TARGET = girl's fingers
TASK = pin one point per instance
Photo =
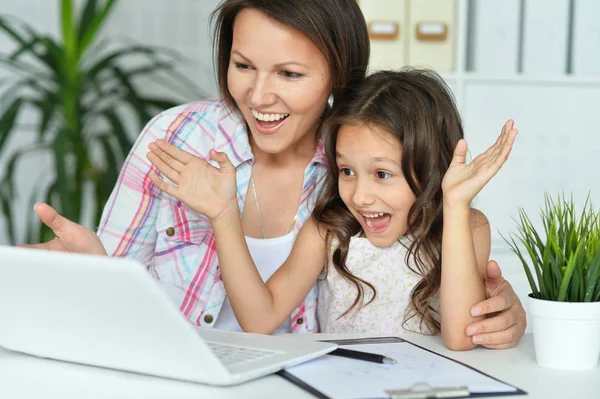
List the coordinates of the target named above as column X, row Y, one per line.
column 504, row 151
column 460, row 152
column 178, row 154
column 163, row 167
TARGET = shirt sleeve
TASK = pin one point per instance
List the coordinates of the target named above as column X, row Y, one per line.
column 127, row 227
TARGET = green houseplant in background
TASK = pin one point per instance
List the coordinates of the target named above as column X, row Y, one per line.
column 562, row 265
column 84, row 96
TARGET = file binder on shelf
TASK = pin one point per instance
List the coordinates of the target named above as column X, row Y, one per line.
column 432, row 34
column 494, row 33
column 417, row 373
column 586, row 38
column 386, row 21
column 545, row 37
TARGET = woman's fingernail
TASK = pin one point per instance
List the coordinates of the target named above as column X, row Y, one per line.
column 477, row 339
column 472, row 331
column 513, row 124
column 476, row 311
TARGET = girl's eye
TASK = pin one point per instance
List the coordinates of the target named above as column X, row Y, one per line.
column 346, row 172
column 383, row 175
column 291, row 75
column 242, row 66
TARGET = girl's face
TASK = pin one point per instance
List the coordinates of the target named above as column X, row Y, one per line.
column 279, row 80
column 371, row 182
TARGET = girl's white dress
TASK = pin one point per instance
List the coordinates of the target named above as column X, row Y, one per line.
column 387, row 271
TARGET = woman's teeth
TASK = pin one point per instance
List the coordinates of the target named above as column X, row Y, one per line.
column 268, row 117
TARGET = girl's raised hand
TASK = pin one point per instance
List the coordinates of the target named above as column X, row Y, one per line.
column 204, row 188
column 463, row 182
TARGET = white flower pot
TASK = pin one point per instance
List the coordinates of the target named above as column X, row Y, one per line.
column 566, row 334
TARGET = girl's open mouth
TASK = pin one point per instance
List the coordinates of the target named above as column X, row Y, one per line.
column 376, row 222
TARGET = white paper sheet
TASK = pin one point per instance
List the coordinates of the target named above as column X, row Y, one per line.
column 344, row 378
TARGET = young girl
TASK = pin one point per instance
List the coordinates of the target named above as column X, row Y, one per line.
column 393, row 240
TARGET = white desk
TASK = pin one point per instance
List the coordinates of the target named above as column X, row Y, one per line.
column 23, row 376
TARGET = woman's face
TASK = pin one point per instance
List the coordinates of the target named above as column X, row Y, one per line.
column 279, row 80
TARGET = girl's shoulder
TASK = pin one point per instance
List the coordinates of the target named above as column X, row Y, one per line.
column 478, row 219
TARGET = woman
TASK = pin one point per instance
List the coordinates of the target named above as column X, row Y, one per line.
column 279, row 64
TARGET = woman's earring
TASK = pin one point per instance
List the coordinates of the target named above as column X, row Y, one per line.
column 330, row 101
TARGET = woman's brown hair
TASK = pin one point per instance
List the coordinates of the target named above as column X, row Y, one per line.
column 336, row 27
column 417, row 108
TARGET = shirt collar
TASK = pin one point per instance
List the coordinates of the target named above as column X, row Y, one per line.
column 319, row 156
column 231, row 137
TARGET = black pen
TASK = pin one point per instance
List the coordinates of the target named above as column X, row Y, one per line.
column 367, row 357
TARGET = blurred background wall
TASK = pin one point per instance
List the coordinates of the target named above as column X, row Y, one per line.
column 535, row 61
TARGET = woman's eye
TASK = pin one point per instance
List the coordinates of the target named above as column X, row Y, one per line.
column 383, row 175
column 291, row 75
column 242, row 66
column 346, row 172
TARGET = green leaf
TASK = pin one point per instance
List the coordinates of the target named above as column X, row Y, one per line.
column 87, row 16
column 513, row 245
column 567, row 265
column 133, row 98
column 159, row 103
column 592, row 278
column 68, row 30
column 62, row 176
column 7, row 121
column 6, row 201
column 8, row 27
column 114, row 59
column 88, row 29
column 12, row 162
column 79, row 90
column 573, row 262
column 118, row 129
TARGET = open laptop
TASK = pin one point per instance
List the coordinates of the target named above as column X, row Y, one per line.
column 110, row 312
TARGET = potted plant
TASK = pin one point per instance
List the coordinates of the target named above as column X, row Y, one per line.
column 86, row 106
column 563, row 269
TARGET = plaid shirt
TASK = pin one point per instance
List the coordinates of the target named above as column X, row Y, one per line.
column 176, row 244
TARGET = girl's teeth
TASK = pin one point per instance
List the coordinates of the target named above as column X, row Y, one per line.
column 376, row 215
column 369, row 222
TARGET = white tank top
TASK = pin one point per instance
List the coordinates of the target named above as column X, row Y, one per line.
column 268, row 255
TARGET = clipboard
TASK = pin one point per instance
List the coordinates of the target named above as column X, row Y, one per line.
column 419, row 390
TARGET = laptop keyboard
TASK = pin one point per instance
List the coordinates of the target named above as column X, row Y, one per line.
column 231, row 354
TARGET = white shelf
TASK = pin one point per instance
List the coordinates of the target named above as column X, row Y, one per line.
column 468, row 77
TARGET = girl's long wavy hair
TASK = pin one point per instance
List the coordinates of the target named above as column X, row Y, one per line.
column 418, row 109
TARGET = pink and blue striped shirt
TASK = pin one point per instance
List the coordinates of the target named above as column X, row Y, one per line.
column 176, row 244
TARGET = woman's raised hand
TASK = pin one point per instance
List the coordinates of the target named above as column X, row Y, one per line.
column 70, row 236
column 463, row 182
column 204, row 188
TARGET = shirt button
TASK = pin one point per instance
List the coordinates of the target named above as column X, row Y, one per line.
column 300, row 321
column 170, row 231
column 208, row 319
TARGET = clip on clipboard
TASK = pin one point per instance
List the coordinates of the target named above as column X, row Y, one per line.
column 425, row 391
